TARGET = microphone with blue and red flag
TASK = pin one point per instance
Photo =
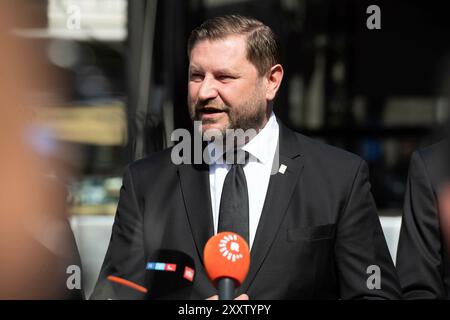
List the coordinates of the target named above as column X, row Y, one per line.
column 169, row 275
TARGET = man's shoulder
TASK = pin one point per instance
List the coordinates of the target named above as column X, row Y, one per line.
column 432, row 161
column 317, row 150
column 155, row 161
column 328, row 167
column 434, row 152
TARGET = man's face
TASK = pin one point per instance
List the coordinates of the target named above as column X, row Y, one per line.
column 225, row 90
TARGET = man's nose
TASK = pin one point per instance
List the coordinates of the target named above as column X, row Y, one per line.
column 208, row 89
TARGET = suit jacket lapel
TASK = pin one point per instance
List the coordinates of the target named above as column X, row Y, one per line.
column 279, row 192
column 197, row 199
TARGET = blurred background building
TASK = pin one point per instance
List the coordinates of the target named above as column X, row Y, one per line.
column 123, row 66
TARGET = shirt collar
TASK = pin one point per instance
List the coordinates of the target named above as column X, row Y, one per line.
column 261, row 147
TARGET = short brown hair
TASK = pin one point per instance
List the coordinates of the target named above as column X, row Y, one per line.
column 262, row 43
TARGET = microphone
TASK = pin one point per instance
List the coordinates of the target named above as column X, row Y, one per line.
column 169, row 275
column 227, row 260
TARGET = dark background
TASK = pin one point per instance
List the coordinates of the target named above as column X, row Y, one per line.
column 378, row 93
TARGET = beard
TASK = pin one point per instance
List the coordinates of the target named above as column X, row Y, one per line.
column 250, row 114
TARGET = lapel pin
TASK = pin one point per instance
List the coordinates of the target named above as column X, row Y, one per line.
column 282, row 169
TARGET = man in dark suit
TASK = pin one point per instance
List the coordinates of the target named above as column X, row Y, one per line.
column 308, row 214
column 422, row 258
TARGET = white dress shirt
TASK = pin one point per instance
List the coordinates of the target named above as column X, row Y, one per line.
column 257, row 171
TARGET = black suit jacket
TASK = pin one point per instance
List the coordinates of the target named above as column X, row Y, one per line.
column 318, row 233
column 422, row 261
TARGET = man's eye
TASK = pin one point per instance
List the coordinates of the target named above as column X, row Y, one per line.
column 225, row 77
column 196, row 76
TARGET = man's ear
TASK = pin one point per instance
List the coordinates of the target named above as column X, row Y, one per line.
column 273, row 77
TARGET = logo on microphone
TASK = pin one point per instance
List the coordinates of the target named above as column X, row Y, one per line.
column 189, row 274
column 161, row 266
column 229, row 247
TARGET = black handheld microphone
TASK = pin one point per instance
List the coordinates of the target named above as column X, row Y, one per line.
column 169, row 275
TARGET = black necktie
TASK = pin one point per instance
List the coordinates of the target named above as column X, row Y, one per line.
column 233, row 212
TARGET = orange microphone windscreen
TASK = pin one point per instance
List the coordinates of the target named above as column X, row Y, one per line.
column 226, row 255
